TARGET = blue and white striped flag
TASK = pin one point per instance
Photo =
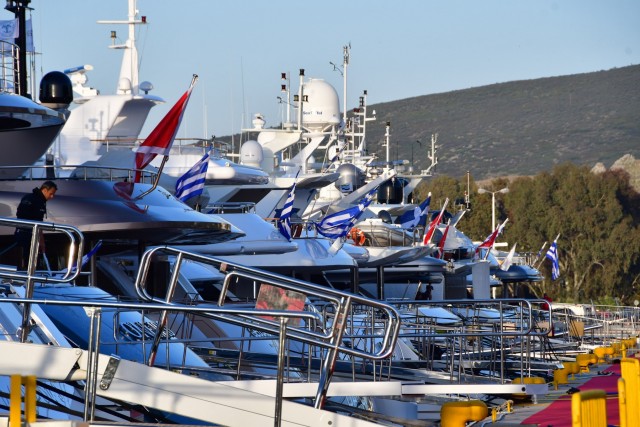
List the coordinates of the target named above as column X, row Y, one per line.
column 412, row 218
column 340, row 223
column 552, row 254
column 191, row 184
column 284, row 221
column 86, row 257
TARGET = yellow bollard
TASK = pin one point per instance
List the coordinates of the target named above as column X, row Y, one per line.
column 560, row 376
column 609, row 352
column 572, row 368
column 622, row 403
column 589, row 409
column 616, row 348
column 457, row 414
column 583, row 361
column 600, row 353
column 15, row 405
column 630, row 372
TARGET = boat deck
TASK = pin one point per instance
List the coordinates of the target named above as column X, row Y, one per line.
column 554, row 409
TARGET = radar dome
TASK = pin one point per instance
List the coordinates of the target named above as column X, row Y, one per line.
column 390, row 192
column 322, row 106
column 251, row 154
column 351, row 178
column 56, row 90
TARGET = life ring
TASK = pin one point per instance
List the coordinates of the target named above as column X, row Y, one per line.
column 357, row 236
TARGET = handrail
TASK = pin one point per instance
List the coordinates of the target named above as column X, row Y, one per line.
column 310, row 290
column 331, row 339
column 9, row 79
column 74, row 258
column 82, row 172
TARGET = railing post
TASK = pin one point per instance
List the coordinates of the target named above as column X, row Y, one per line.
column 280, row 375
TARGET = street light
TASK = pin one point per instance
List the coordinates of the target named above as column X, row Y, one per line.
column 493, row 203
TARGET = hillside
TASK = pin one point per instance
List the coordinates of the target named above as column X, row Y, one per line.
column 518, row 128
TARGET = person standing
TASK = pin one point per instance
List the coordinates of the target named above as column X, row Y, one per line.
column 33, row 206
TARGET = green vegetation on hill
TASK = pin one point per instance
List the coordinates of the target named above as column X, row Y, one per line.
column 518, row 128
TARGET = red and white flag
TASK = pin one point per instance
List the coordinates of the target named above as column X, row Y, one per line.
column 434, row 224
column 491, row 238
column 161, row 137
column 442, row 241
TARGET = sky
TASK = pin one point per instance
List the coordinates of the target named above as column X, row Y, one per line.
column 399, row 49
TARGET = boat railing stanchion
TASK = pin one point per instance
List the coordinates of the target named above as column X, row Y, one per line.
column 280, row 371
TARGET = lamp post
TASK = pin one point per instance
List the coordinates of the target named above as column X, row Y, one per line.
column 493, row 203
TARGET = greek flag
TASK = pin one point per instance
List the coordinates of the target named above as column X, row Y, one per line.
column 91, row 253
column 340, row 223
column 191, row 184
column 85, row 260
column 552, row 254
column 284, row 221
column 413, row 218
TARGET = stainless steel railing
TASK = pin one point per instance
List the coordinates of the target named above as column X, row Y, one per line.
column 330, row 337
column 30, row 276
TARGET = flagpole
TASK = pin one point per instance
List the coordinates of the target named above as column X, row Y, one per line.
column 543, row 258
column 544, row 245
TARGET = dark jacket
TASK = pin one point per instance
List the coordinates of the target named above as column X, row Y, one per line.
column 33, row 207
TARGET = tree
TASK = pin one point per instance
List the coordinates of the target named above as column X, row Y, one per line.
column 599, row 238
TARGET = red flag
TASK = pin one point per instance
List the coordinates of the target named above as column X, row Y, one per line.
column 434, row 224
column 161, row 137
column 491, row 238
column 443, row 240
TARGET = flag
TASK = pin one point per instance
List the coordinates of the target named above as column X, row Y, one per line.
column 552, row 254
column 491, row 238
column 161, row 137
column 10, row 30
column 85, row 259
column 191, row 184
column 442, row 241
column 284, row 221
column 509, row 259
column 340, row 223
column 91, row 253
column 428, row 234
column 412, row 218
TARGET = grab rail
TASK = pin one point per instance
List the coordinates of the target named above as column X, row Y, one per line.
column 74, row 258
column 331, row 339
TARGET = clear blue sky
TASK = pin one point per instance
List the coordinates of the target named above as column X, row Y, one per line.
column 400, row 49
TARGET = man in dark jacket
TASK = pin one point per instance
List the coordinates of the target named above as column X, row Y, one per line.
column 33, row 207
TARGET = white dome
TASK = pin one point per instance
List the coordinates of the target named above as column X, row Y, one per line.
column 322, row 107
column 251, row 154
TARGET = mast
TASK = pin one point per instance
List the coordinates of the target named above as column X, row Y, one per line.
column 386, row 138
column 345, row 63
column 129, row 69
column 19, row 8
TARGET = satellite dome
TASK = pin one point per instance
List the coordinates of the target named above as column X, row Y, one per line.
column 56, row 90
column 351, row 178
column 251, row 154
column 322, row 106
